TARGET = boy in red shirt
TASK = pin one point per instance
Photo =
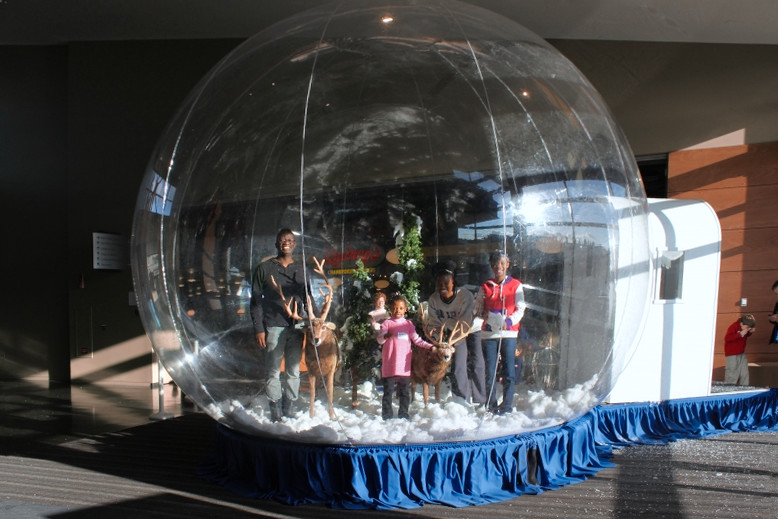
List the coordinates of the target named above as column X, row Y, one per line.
column 736, row 370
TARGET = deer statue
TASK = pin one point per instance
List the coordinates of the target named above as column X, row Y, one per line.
column 428, row 367
column 320, row 343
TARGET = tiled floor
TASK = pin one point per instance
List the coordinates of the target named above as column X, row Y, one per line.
column 77, row 452
column 33, row 413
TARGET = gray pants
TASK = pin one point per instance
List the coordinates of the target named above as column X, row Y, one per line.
column 283, row 343
column 468, row 370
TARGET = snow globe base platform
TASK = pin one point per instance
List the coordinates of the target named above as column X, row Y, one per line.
column 471, row 473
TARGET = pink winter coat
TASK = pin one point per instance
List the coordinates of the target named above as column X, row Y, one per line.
column 396, row 352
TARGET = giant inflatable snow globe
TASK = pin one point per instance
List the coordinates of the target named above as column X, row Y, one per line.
column 390, row 139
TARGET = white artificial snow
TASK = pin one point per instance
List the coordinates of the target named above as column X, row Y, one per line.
column 450, row 420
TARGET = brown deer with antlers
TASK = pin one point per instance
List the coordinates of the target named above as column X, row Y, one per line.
column 428, row 367
column 320, row 342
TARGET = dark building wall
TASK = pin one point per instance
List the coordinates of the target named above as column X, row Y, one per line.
column 79, row 123
column 121, row 96
column 33, row 227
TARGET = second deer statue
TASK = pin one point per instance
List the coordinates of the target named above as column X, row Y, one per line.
column 320, row 342
column 428, row 367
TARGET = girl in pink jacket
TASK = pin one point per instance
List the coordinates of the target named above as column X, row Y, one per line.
column 395, row 336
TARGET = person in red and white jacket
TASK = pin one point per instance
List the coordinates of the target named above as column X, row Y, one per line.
column 500, row 304
column 736, row 369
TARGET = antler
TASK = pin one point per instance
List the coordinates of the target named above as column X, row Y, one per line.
column 434, row 335
column 460, row 331
column 289, row 305
column 431, row 332
column 328, row 294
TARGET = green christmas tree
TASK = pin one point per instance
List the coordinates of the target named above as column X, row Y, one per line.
column 358, row 334
column 411, row 262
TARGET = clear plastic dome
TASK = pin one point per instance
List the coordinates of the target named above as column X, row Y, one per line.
column 338, row 123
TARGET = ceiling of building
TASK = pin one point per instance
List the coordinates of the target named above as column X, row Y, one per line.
column 47, row 22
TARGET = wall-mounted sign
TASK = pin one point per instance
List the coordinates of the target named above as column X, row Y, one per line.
column 109, row 251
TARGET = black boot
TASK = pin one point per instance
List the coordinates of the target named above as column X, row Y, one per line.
column 286, row 407
column 275, row 411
